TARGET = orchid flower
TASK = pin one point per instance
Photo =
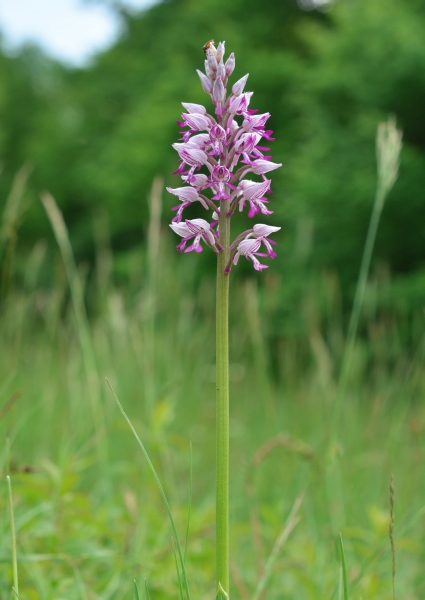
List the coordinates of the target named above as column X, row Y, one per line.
column 216, row 153
column 198, row 229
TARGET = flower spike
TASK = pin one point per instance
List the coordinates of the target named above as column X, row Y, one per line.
column 216, row 154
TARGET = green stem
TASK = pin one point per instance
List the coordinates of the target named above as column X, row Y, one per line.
column 13, row 534
column 222, row 407
column 357, row 307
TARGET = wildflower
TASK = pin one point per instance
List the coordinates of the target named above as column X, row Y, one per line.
column 186, row 195
column 217, row 144
column 217, row 150
column 191, row 156
column 238, row 87
column 217, row 139
column 253, row 192
column 194, row 228
column 219, row 177
column 248, row 248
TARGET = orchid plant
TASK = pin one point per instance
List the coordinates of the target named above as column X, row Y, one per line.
column 227, row 147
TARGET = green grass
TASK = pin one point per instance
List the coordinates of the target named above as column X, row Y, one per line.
column 88, row 514
column 81, row 537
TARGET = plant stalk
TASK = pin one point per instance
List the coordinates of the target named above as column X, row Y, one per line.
column 222, row 403
column 13, row 534
column 357, row 308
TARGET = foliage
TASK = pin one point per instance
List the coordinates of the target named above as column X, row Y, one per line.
column 86, row 527
column 97, row 136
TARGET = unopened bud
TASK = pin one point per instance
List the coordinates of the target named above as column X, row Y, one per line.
column 206, row 83
column 221, row 71
column 239, row 86
column 230, row 65
column 220, row 52
column 219, row 91
column 212, row 61
column 208, row 71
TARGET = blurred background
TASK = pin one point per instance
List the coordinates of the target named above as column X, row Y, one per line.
column 89, row 97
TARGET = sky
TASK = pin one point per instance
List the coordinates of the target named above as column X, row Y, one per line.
column 69, row 30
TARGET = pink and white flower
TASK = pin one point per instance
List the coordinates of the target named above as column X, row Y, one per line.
column 196, row 229
column 186, row 195
column 216, row 154
column 249, row 249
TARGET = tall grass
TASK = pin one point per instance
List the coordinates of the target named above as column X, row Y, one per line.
column 75, row 541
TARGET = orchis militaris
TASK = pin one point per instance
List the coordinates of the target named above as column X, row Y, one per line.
column 231, row 137
column 227, row 148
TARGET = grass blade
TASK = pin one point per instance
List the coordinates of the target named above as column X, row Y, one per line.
column 178, row 571
column 391, row 533
column 341, row 585
column 82, row 324
column 291, row 521
column 388, row 144
column 190, row 503
column 136, row 591
column 148, row 596
column 343, row 569
column 12, row 208
column 9, row 404
column 13, row 534
column 161, row 489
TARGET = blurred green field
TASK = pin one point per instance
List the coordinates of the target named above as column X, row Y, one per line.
column 89, row 517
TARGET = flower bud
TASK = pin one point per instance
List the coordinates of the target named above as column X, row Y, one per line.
column 211, row 60
column 220, row 52
column 221, row 71
column 230, row 65
column 208, row 71
column 261, row 230
column 261, row 166
column 194, row 108
column 187, row 194
column 197, row 122
column 219, row 91
column 238, row 87
column 205, row 82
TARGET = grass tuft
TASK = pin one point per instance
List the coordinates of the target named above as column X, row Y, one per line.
column 161, row 489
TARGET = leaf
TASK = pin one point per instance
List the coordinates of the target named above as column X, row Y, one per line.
column 340, row 586
column 136, row 591
column 221, row 594
column 161, row 489
column 343, row 569
column 178, row 571
column 291, row 522
column 190, row 504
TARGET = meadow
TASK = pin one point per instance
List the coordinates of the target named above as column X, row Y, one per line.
column 327, row 418
column 88, row 514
